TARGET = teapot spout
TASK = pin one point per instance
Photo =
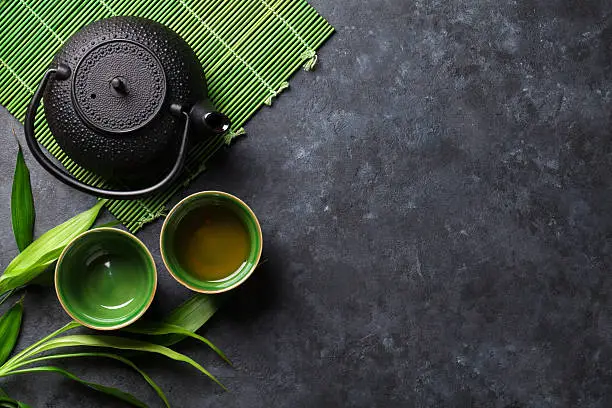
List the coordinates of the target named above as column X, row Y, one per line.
column 208, row 120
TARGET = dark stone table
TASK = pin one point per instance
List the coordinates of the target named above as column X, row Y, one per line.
column 436, row 203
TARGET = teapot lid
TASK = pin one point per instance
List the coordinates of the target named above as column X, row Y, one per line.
column 118, row 86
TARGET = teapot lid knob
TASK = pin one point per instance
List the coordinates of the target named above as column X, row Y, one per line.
column 119, row 84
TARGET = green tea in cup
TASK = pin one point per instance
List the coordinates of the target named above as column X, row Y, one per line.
column 211, row 242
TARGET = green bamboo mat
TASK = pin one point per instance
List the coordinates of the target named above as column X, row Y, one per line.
column 249, row 49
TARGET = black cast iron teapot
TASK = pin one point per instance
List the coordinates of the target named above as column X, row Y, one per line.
column 122, row 98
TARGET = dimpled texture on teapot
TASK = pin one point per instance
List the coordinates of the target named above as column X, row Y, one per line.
column 140, row 99
column 110, row 155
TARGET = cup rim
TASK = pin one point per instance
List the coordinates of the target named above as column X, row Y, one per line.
column 135, row 317
column 203, row 194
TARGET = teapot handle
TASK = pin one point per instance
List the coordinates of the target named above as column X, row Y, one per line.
column 63, row 72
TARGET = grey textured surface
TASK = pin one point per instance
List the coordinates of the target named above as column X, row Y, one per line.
column 435, row 201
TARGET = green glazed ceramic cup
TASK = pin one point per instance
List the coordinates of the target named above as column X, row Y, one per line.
column 105, row 279
column 168, row 235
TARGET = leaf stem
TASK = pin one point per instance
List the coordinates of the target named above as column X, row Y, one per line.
column 31, row 350
column 7, row 295
column 124, row 360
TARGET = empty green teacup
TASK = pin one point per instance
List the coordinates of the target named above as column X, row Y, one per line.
column 211, row 242
column 105, row 279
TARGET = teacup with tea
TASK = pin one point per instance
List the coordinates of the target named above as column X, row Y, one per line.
column 211, row 242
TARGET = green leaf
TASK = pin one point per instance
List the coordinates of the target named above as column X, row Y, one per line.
column 109, row 224
column 194, row 312
column 106, row 355
column 124, row 396
column 6, row 402
column 190, row 315
column 120, row 343
column 46, row 249
column 31, row 350
column 22, row 203
column 155, row 329
column 10, row 324
column 7, row 295
column 45, row 278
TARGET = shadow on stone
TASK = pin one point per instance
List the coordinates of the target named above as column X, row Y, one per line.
column 257, row 295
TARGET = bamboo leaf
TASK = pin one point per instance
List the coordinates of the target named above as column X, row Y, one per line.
column 124, row 360
column 10, row 324
column 7, row 295
column 6, row 402
column 45, row 278
column 190, row 315
column 109, row 224
column 120, row 343
column 155, row 329
column 194, row 312
column 31, row 350
column 46, row 249
column 22, row 203
column 124, row 396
